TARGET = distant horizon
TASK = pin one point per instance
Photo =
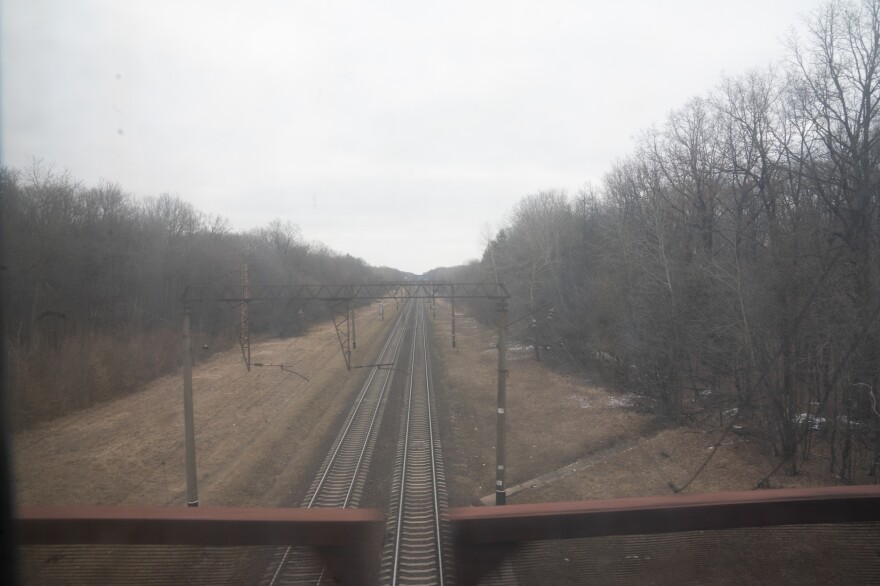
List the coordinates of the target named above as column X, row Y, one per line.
column 370, row 128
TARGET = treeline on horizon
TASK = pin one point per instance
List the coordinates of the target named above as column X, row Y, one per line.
column 732, row 259
column 93, row 281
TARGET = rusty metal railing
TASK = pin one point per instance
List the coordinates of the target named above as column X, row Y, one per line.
column 346, row 539
column 349, row 540
column 484, row 536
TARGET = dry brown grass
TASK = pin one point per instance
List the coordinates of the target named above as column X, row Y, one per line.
column 555, row 419
column 85, row 369
column 258, row 433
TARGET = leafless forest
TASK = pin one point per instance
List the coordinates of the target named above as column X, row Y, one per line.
column 94, row 280
column 733, row 256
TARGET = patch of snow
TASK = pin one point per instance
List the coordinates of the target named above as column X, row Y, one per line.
column 584, row 402
column 844, row 420
column 519, row 348
column 816, row 423
column 621, row 401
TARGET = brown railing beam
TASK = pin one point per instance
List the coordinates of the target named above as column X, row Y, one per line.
column 347, row 539
column 481, row 533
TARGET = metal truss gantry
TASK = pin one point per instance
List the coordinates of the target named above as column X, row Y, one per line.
column 386, row 290
column 339, row 299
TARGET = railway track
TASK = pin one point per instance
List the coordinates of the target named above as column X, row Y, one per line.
column 341, row 477
column 414, row 551
column 340, row 481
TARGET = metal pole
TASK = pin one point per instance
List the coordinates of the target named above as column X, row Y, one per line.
column 245, row 334
column 535, row 339
column 500, row 453
column 354, row 339
column 192, row 489
column 453, row 316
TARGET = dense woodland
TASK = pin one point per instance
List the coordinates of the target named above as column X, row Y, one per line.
column 93, row 281
column 731, row 261
column 730, row 264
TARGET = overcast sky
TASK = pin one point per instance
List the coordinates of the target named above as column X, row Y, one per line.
column 393, row 131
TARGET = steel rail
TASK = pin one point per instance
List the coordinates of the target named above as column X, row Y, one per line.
column 402, row 497
column 437, row 520
column 395, row 334
column 366, row 439
column 341, row 441
column 409, row 487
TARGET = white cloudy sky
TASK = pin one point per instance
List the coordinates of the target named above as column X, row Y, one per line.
column 393, row 131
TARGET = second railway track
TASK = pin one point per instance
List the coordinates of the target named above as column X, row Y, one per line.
column 414, row 551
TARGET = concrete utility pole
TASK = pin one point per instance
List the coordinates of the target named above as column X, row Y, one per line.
column 453, row 316
column 192, row 489
column 500, row 453
column 535, row 339
column 244, row 337
column 354, row 340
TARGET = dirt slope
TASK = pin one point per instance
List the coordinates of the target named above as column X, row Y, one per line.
column 554, row 420
column 259, row 434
